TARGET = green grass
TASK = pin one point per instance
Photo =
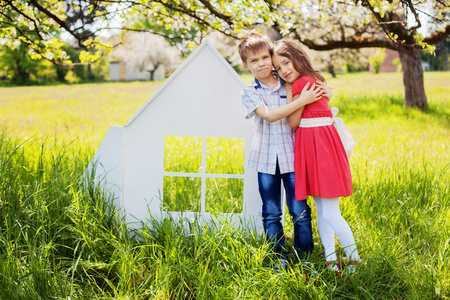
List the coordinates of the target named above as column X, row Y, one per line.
column 61, row 238
column 183, row 154
column 85, row 110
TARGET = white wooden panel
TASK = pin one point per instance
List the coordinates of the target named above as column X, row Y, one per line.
column 201, row 98
column 107, row 161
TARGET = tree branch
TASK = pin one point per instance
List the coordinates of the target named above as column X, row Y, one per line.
column 442, row 2
column 197, row 18
column 437, row 36
column 416, row 16
column 350, row 44
column 36, row 28
column 60, row 22
column 221, row 16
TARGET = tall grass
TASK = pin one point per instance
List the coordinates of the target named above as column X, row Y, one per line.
column 61, row 237
column 222, row 156
column 50, row 221
column 401, row 170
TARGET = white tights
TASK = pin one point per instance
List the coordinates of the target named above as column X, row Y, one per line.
column 329, row 222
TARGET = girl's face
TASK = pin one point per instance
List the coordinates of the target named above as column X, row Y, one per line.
column 285, row 68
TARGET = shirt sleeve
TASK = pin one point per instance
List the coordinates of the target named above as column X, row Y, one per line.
column 251, row 100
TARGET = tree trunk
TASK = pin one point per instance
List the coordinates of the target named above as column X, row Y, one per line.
column 60, row 73
column 413, row 78
column 152, row 73
column 90, row 73
column 444, row 56
column 22, row 74
column 331, row 70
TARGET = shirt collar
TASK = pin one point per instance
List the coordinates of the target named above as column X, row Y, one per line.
column 257, row 84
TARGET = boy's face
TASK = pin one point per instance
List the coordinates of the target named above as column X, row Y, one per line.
column 259, row 63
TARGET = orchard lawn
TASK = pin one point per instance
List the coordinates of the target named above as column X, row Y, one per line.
column 61, row 238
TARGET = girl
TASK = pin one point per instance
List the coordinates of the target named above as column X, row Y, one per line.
column 321, row 164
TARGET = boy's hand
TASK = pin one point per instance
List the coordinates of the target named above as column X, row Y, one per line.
column 312, row 94
column 326, row 91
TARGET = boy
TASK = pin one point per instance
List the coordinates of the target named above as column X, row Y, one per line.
column 272, row 153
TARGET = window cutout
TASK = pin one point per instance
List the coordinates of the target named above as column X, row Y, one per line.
column 224, row 195
column 183, row 154
column 225, row 155
column 182, row 194
column 215, row 166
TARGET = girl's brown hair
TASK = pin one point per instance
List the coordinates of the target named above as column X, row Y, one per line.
column 299, row 58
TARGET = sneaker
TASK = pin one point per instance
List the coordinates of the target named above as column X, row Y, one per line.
column 334, row 267
column 280, row 265
column 306, row 263
column 353, row 267
column 309, row 267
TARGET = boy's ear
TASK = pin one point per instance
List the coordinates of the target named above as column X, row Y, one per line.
column 245, row 66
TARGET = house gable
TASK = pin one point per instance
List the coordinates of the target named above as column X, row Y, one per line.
column 200, row 99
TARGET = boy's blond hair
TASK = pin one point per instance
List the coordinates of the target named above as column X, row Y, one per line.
column 253, row 43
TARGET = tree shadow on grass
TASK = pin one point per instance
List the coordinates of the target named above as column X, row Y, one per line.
column 363, row 108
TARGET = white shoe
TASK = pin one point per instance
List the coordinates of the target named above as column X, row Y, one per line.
column 280, row 265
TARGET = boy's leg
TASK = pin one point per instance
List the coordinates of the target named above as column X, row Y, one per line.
column 270, row 191
column 301, row 217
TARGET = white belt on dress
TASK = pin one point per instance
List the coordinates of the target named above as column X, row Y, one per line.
column 315, row 122
column 347, row 139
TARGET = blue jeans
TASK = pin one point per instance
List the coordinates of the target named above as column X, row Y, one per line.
column 270, row 191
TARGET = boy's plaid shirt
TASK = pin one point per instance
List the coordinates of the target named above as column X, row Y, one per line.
column 274, row 140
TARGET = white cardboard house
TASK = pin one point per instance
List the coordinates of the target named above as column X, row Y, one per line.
column 200, row 99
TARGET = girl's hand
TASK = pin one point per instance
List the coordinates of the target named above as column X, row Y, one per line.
column 325, row 89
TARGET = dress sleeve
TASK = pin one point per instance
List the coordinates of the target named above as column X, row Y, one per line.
column 298, row 86
column 300, row 83
column 251, row 100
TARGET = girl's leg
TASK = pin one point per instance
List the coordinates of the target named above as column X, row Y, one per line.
column 326, row 231
column 332, row 215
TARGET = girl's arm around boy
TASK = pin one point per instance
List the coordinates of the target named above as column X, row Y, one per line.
column 307, row 96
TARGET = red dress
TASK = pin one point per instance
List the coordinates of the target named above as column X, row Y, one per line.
column 321, row 164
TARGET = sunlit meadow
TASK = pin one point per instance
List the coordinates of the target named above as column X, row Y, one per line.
column 61, row 238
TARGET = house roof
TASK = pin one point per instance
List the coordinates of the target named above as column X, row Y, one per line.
column 205, row 45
